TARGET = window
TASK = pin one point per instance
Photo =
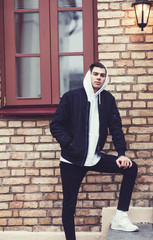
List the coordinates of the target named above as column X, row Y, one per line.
column 49, row 45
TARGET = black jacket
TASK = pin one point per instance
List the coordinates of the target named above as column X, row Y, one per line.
column 70, row 125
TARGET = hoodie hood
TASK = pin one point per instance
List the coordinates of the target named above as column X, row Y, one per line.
column 88, row 86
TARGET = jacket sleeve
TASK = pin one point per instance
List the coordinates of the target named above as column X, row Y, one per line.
column 115, row 128
column 60, row 122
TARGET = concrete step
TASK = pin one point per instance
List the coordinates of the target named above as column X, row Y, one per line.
column 145, row 233
column 136, row 215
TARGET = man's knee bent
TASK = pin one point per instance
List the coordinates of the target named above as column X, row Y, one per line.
column 134, row 169
column 135, row 166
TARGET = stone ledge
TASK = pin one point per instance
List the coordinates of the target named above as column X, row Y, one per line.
column 17, row 235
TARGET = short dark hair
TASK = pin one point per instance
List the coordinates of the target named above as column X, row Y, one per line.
column 97, row 64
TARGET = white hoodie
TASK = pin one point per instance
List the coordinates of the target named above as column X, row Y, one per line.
column 92, row 157
column 93, row 98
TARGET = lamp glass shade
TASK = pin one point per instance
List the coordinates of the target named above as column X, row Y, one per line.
column 142, row 11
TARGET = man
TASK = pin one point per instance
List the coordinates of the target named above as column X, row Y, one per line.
column 81, row 125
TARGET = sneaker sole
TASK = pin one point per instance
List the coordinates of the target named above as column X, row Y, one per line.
column 125, row 230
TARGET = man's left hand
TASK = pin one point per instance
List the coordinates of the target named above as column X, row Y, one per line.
column 124, row 162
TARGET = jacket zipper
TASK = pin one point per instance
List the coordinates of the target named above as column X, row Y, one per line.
column 86, row 137
column 98, row 145
column 98, row 149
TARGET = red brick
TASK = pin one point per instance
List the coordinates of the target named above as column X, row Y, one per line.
column 30, row 221
column 145, row 179
column 137, row 38
column 45, row 221
column 16, row 204
column 57, row 221
column 46, row 204
column 92, row 188
column 3, row 222
column 15, row 221
column 33, row 205
column 29, row 197
column 55, row 212
column 32, row 188
column 51, row 196
column 33, row 213
column 5, row 213
column 103, row 195
column 91, row 221
column 143, row 154
column 16, row 181
column 99, row 179
column 19, row 228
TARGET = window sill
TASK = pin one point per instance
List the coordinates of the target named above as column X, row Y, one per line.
column 46, row 111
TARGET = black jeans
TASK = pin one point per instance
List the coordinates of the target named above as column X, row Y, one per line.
column 72, row 177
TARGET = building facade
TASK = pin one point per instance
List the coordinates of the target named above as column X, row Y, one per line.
column 30, row 184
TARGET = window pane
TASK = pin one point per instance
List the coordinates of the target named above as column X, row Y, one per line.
column 69, row 3
column 28, row 77
column 71, row 73
column 27, row 32
column 70, row 31
column 26, row 4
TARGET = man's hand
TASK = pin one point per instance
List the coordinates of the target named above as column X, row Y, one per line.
column 124, row 162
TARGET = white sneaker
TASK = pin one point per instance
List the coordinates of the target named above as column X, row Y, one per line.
column 123, row 223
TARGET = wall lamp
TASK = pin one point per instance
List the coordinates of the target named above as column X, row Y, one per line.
column 142, row 11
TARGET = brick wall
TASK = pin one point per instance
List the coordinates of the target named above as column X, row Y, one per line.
column 127, row 52
column 30, row 184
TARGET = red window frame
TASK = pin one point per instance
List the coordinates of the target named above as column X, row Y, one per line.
column 10, row 55
column 49, row 53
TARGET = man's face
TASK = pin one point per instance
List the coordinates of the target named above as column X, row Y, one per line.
column 98, row 77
